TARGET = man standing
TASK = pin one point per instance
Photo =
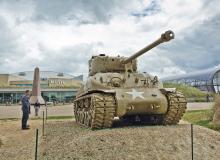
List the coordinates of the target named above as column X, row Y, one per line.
column 25, row 109
column 36, row 107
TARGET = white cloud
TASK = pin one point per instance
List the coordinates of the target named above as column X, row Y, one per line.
column 62, row 36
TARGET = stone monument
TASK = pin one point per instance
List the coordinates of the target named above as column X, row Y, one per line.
column 36, row 89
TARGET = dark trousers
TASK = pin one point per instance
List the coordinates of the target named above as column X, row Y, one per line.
column 25, row 117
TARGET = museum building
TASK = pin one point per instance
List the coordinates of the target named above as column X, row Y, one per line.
column 205, row 80
column 55, row 86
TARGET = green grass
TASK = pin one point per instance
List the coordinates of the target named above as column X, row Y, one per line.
column 1, row 143
column 49, row 118
column 9, row 119
column 59, row 117
column 200, row 117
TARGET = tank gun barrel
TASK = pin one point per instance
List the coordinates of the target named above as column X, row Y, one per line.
column 165, row 37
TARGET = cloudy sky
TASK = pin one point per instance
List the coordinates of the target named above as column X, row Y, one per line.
column 61, row 36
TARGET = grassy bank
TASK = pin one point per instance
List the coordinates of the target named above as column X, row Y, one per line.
column 200, row 117
column 191, row 93
column 187, row 90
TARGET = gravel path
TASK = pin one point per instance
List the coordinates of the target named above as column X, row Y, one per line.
column 15, row 111
column 67, row 140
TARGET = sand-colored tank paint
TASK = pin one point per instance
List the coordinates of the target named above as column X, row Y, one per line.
column 115, row 88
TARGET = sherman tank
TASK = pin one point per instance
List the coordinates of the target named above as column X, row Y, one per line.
column 116, row 90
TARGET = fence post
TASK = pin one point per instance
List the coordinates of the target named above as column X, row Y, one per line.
column 36, row 146
column 46, row 114
column 43, row 123
column 192, row 140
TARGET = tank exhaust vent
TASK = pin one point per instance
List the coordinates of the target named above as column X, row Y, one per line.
column 22, row 74
column 60, row 74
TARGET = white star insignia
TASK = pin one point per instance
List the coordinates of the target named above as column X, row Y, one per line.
column 136, row 94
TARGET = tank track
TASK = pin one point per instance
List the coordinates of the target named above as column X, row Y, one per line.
column 176, row 108
column 96, row 110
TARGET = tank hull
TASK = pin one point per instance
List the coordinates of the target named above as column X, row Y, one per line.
column 136, row 101
column 97, row 109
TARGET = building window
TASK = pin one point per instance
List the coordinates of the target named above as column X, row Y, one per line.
column 216, row 82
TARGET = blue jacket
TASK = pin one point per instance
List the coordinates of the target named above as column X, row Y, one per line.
column 25, row 103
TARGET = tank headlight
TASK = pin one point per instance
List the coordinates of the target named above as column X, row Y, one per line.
column 155, row 106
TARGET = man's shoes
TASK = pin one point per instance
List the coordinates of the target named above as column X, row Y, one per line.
column 26, row 128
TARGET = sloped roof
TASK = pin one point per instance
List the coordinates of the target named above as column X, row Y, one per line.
column 28, row 75
column 201, row 75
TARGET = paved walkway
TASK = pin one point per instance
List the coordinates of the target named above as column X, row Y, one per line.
column 67, row 110
column 199, row 105
column 15, row 111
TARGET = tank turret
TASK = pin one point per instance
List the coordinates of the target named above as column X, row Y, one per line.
column 103, row 63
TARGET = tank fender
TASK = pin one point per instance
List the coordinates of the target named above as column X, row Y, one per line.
column 168, row 90
column 101, row 91
column 97, row 91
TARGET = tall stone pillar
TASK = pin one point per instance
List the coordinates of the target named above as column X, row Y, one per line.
column 36, row 89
